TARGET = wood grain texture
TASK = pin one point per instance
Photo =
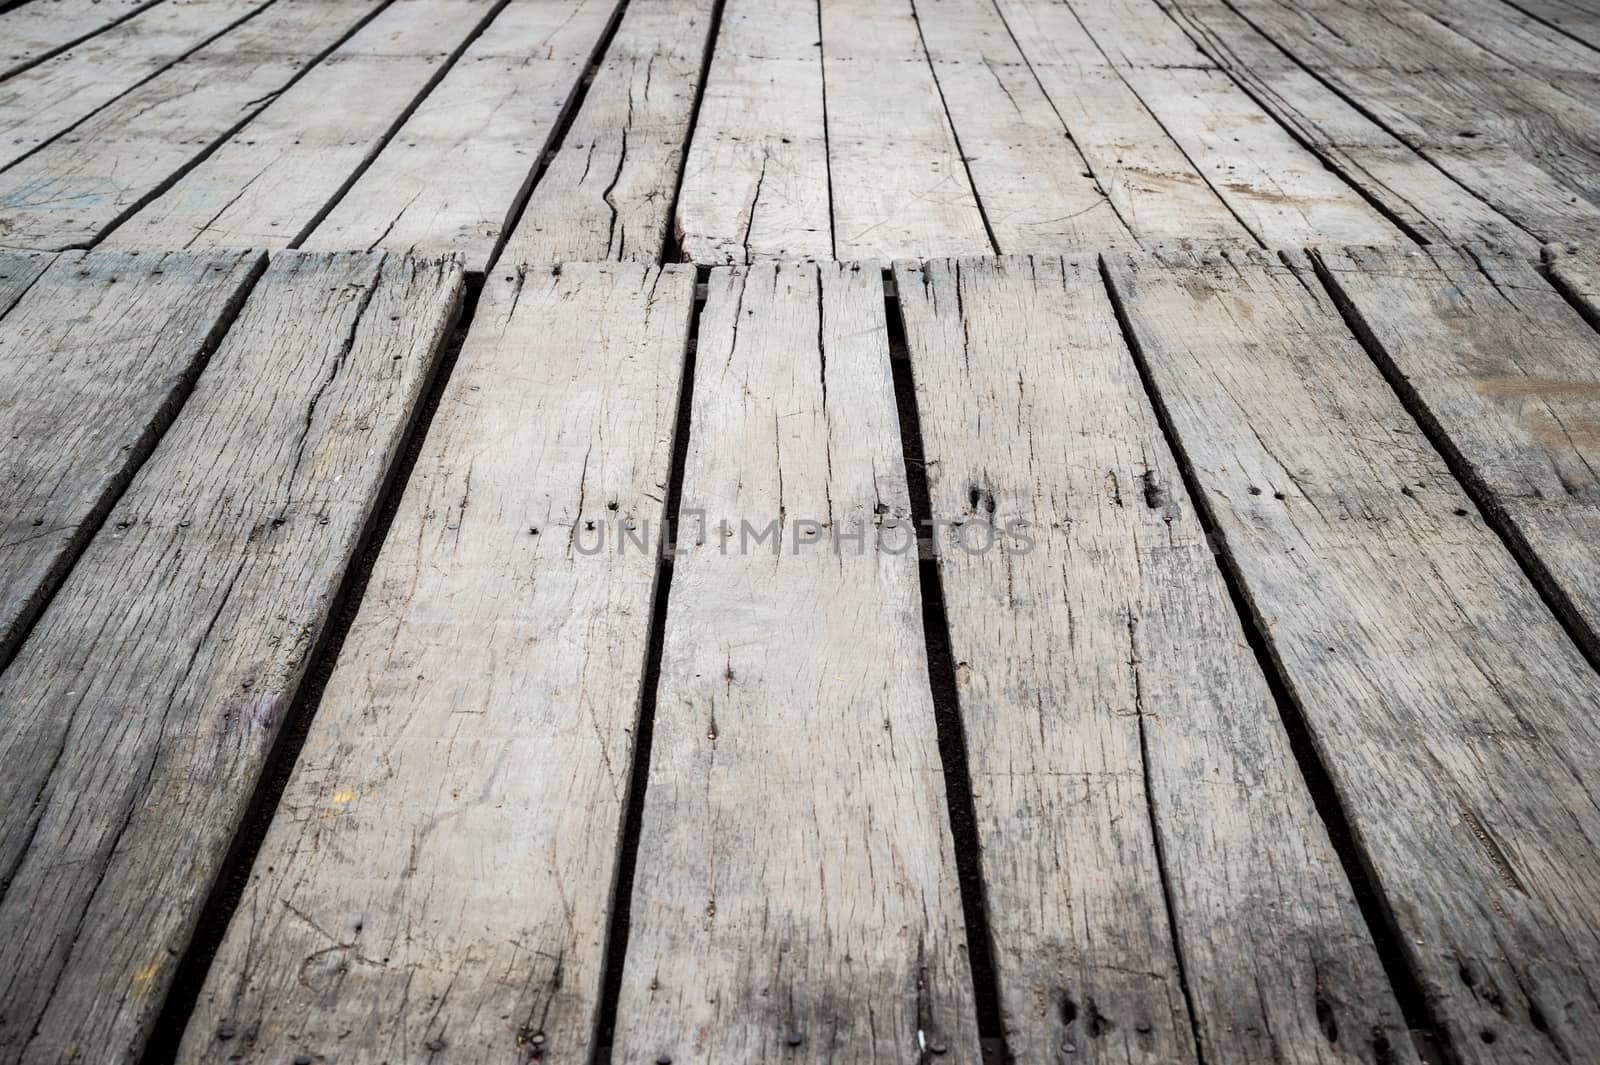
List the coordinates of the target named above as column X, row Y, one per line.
column 608, row 191
column 34, row 31
column 756, row 183
column 436, row 883
column 1444, row 699
column 268, row 184
column 900, row 185
column 1518, row 142
column 795, row 892
column 452, row 178
column 1506, row 375
column 1155, row 188
column 94, row 361
column 1425, row 199
column 1037, row 191
column 1575, row 269
column 92, row 177
column 1577, row 18
column 141, row 709
column 39, row 104
column 1278, row 189
column 1123, row 743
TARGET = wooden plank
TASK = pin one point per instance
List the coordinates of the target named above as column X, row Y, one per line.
column 1507, row 375
column 756, row 183
column 94, row 361
column 18, row 272
column 452, row 178
column 1575, row 269
column 1424, row 198
column 1037, row 191
column 37, row 30
column 1123, row 743
column 1282, row 192
column 440, row 870
column 267, row 186
column 1156, row 190
column 900, row 186
column 39, row 104
column 142, row 708
column 796, row 883
column 1579, row 20
column 1444, row 698
column 608, row 191
column 1514, row 140
column 94, row 176
column 1517, row 41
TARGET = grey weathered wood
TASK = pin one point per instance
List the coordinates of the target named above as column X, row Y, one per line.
column 93, row 363
column 1507, row 376
column 1574, row 17
column 1521, row 144
column 39, row 29
column 267, row 186
column 140, row 711
column 1274, row 186
column 900, row 186
column 1575, row 269
column 1123, row 743
column 1157, row 191
column 1447, row 703
column 755, row 183
column 1412, row 189
column 796, row 876
column 608, row 191
column 452, row 177
column 92, row 177
column 1037, row 191
column 18, row 272
column 38, row 104
column 437, row 880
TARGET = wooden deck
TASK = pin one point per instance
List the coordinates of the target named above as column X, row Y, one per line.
column 627, row 531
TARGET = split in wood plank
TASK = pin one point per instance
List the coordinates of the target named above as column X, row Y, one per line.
column 1506, row 377
column 93, row 177
column 272, row 180
column 1445, row 700
column 796, row 889
column 439, row 873
column 453, row 177
column 141, row 709
column 94, row 361
column 608, row 191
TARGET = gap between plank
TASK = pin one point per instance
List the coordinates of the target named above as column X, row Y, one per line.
column 946, row 704
column 53, row 52
column 620, row 916
column 1357, row 869
column 400, row 121
column 1370, row 116
column 1555, row 598
column 1359, row 188
column 558, row 133
column 139, row 453
column 234, row 873
column 955, row 136
column 229, row 28
column 1548, row 24
column 161, row 187
column 672, row 244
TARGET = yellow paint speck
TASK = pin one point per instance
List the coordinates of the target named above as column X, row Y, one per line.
column 343, row 797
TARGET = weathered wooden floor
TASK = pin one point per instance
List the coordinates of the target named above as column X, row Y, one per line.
column 626, row 531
